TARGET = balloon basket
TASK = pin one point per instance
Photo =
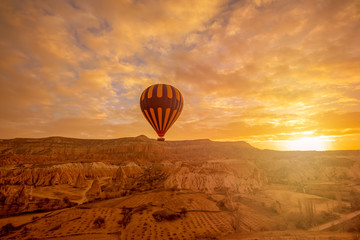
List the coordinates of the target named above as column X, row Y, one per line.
column 161, row 139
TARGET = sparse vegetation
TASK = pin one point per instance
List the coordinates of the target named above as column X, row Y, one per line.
column 165, row 215
column 221, row 205
column 127, row 216
column 276, row 207
column 55, row 228
column 66, row 201
column 183, row 212
column 8, row 228
column 99, row 222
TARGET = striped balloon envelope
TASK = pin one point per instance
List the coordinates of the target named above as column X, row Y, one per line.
column 161, row 105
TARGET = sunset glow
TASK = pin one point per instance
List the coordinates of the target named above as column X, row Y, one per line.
column 308, row 143
column 264, row 72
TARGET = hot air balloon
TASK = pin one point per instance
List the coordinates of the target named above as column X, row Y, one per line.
column 161, row 105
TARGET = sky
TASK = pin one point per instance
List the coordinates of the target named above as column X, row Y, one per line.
column 279, row 75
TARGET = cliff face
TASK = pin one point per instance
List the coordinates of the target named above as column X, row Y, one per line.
column 239, row 176
column 54, row 175
column 55, row 150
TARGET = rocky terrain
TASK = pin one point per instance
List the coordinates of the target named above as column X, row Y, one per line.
column 139, row 188
column 55, row 150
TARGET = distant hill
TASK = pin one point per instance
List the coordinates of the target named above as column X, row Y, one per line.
column 139, row 149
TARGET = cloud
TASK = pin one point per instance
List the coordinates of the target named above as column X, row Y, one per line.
column 246, row 69
column 339, row 121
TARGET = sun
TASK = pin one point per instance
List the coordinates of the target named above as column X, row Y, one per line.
column 308, row 143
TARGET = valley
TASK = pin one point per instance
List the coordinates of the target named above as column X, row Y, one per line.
column 138, row 188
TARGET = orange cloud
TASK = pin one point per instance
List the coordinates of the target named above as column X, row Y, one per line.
column 260, row 71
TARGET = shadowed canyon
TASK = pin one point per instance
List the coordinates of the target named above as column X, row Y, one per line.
column 139, row 188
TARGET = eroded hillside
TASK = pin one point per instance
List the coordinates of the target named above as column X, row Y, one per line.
column 137, row 188
column 55, row 150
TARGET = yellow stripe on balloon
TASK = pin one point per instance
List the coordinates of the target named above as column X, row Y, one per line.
column 150, row 92
column 149, row 119
column 177, row 94
column 159, row 90
column 172, row 117
column 160, row 118
column 176, row 117
column 178, row 114
column 154, row 118
column 143, row 96
column 167, row 113
column 169, row 91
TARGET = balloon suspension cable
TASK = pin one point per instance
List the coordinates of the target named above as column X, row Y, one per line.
column 161, row 139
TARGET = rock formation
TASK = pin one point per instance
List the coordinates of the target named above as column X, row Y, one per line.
column 70, row 167
column 94, row 191
column 13, row 200
column 140, row 150
column 79, row 183
column 56, row 174
column 237, row 176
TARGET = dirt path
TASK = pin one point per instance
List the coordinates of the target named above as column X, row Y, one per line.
column 335, row 222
